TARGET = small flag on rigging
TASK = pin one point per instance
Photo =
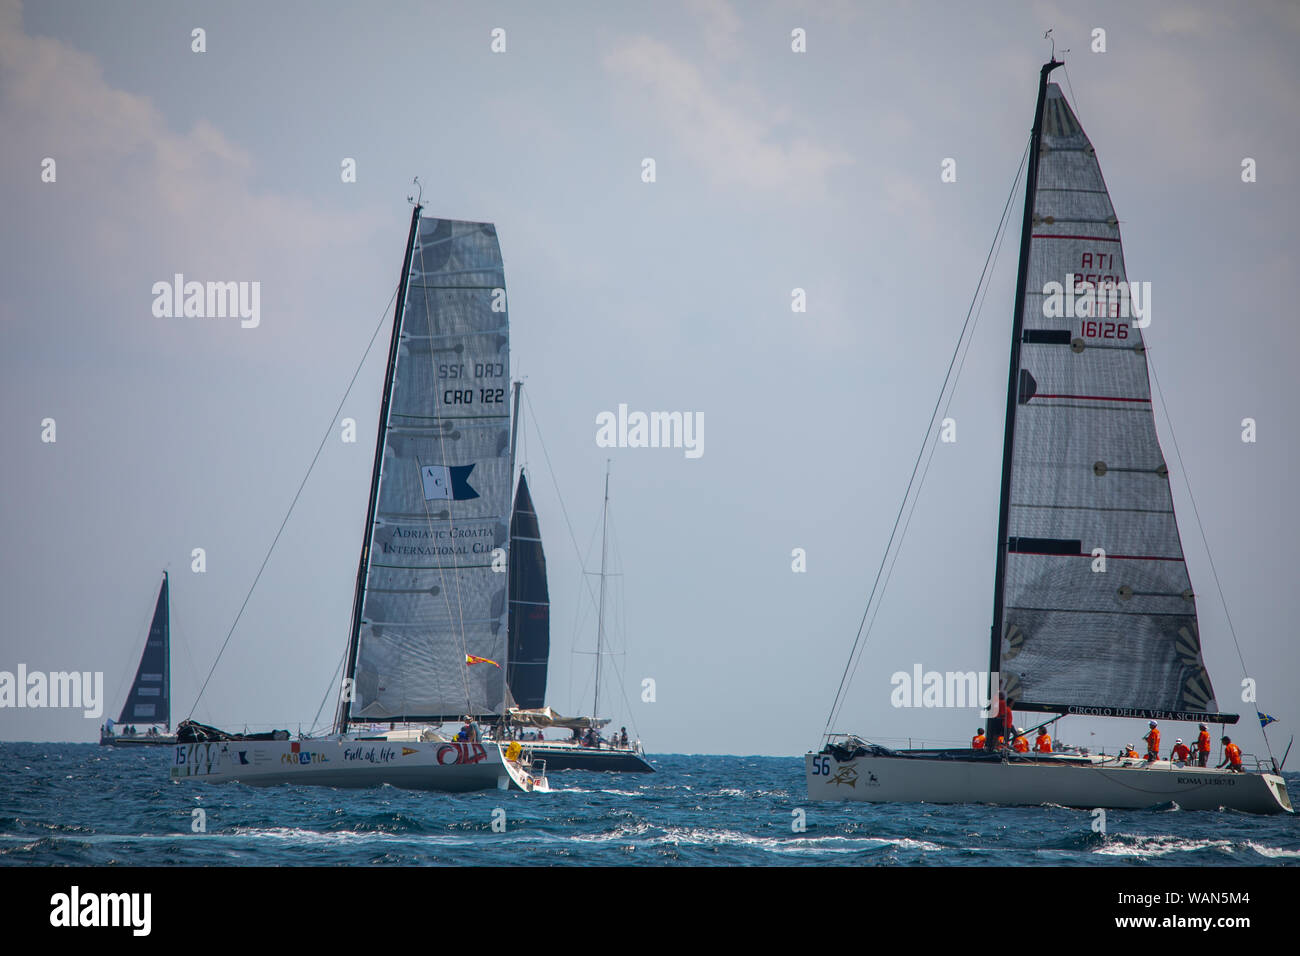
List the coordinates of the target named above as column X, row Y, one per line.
column 471, row 659
column 1265, row 719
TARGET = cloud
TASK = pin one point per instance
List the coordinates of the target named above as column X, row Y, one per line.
column 148, row 199
column 733, row 135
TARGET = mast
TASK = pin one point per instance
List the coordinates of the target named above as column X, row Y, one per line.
column 167, row 654
column 1013, row 387
column 358, row 600
column 600, row 626
column 514, row 431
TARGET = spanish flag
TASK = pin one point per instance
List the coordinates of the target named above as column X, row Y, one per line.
column 471, row 659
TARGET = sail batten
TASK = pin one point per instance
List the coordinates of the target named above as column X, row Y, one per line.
column 433, row 594
column 1096, row 603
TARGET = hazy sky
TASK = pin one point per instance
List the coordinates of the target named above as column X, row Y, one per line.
column 775, row 170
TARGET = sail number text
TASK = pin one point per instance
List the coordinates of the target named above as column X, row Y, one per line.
column 468, row 396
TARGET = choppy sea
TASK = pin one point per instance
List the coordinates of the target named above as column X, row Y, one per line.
column 86, row 805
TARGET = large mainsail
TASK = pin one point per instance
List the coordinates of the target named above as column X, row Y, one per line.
column 429, row 597
column 149, row 701
column 1086, row 472
column 530, row 605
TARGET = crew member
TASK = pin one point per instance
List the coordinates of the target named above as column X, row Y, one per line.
column 1042, row 743
column 1203, row 746
column 1129, row 752
column 1153, row 741
column 1180, row 751
column 977, row 742
column 1231, row 756
column 1020, row 745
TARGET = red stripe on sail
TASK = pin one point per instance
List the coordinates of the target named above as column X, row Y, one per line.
column 1044, row 235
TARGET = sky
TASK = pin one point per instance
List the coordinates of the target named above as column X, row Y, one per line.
column 775, row 170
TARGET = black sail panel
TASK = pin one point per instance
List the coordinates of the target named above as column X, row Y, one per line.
column 149, row 701
column 1087, row 471
column 530, row 609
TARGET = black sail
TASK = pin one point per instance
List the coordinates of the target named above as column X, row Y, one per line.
column 149, row 701
column 530, row 607
column 1087, row 473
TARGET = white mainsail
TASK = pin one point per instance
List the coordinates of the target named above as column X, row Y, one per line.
column 1087, row 472
column 431, row 595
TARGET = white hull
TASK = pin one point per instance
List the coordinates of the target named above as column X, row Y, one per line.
column 341, row 762
column 1093, row 782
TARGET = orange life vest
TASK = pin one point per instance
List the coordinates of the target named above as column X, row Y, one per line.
column 1153, row 741
column 1203, row 742
column 977, row 742
column 1020, row 745
column 1233, row 753
column 1131, row 753
column 1181, row 752
column 1043, row 744
column 1002, row 741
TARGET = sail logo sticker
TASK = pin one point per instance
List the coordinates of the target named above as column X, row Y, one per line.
column 447, row 483
column 458, row 753
column 84, row 689
column 208, row 300
column 683, row 430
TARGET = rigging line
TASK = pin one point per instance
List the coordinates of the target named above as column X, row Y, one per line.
column 329, row 430
column 846, row 676
column 1187, row 481
column 934, row 446
column 328, row 687
column 563, row 510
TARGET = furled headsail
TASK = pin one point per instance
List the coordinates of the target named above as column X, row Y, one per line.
column 530, row 605
column 1086, row 472
column 149, row 701
column 428, row 598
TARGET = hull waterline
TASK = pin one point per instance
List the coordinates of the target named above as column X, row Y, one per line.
column 449, row 767
column 1084, row 783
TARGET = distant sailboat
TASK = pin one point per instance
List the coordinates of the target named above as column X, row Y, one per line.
column 1082, row 469
column 530, row 652
column 429, row 624
column 148, row 703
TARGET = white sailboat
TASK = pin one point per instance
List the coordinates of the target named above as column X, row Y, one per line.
column 530, row 647
column 1082, row 468
column 428, row 640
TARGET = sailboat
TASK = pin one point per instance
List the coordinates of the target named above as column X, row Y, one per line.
column 148, row 703
column 1082, row 469
column 530, row 651
column 427, row 643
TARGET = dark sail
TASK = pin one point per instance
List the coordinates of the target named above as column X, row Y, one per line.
column 149, row 701
column 1085, row 472
column 530, row 607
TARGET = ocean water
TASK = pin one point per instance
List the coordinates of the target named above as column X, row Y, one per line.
column 82, row 804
